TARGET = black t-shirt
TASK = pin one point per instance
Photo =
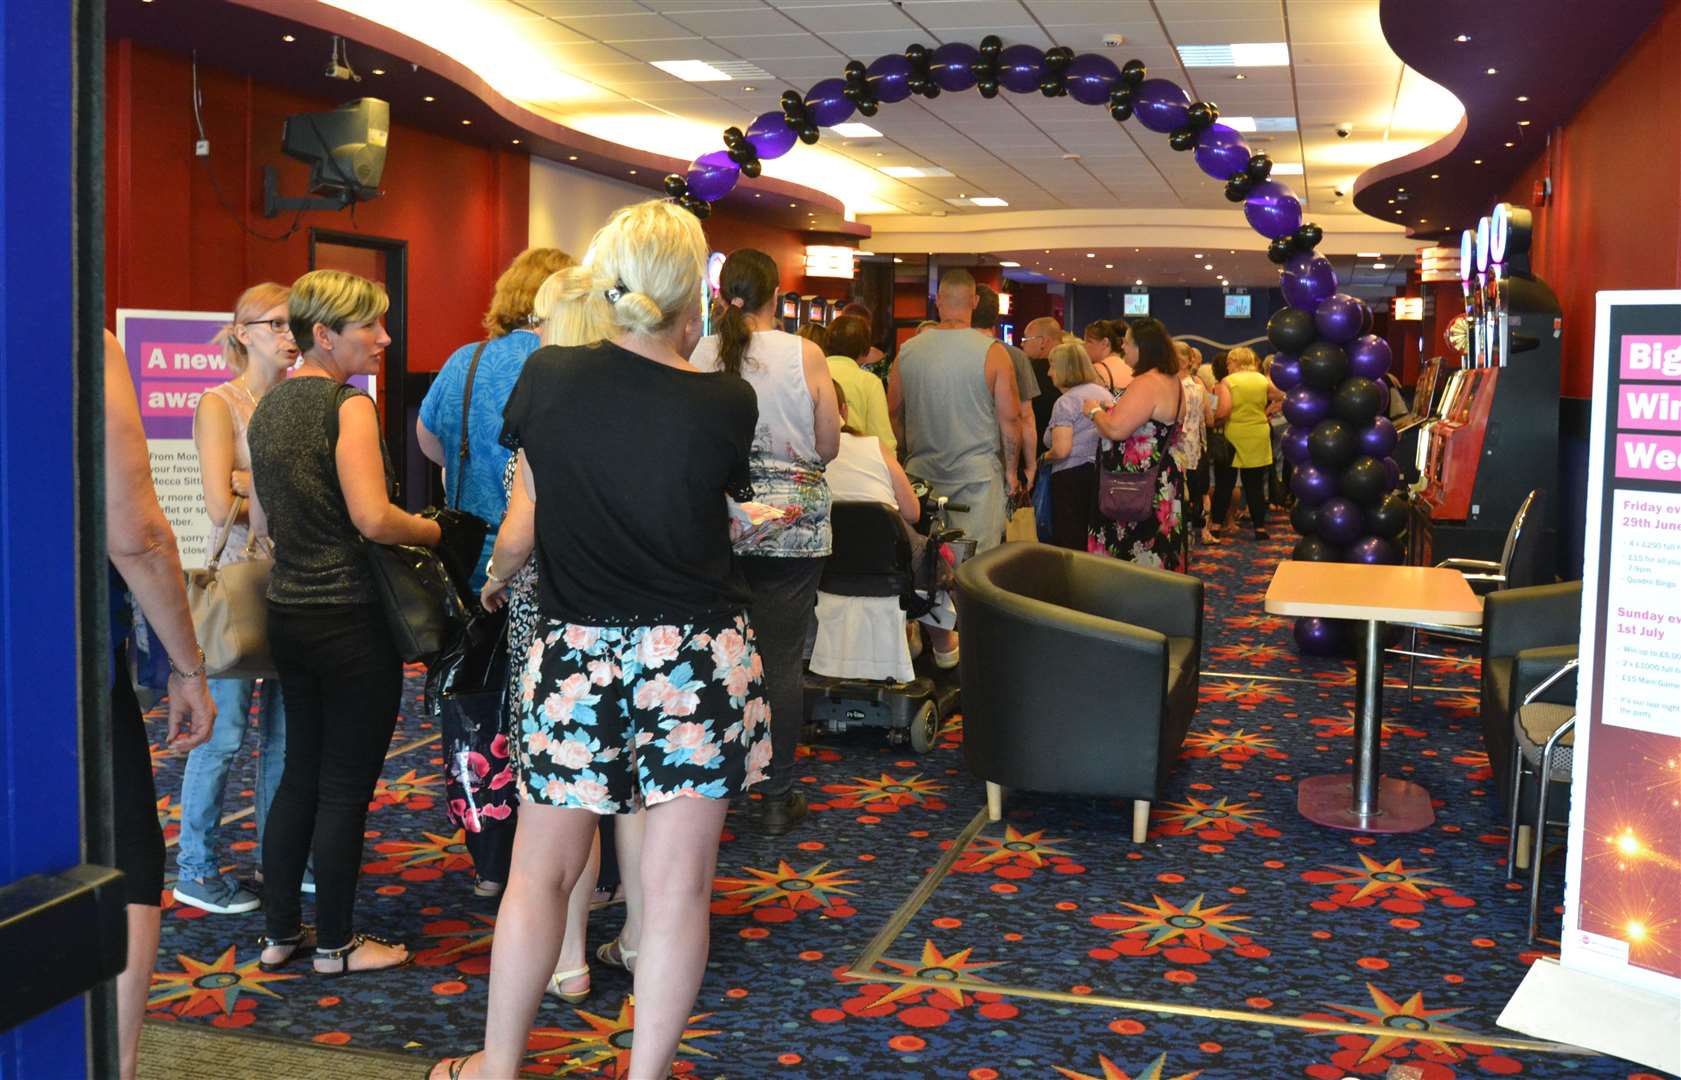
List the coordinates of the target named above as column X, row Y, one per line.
column 1046, row 401
column 632, row 460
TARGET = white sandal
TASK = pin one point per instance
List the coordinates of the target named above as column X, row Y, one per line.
column 571, row 997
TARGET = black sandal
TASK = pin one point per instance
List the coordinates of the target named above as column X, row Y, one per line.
column 455, row 1066
column 302, row 944
column 342, row 955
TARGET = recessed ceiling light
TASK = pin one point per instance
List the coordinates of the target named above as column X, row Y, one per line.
column 691, row 70
column 1008, row 263
column 794, row 205
column 1286, row 168
column 1380, row 266
column 1463, row 38
column 633, row 172
column 1435, row 176
column 379, row 71
column 1424, row 221
column 1198, row 255
column 1237, row 54
column 1401, row 189
column 911, row 172
column 1108, row 266
column 855, row 131
column 1208, row 266
column 897, row 259
column 1523, row 97
column 749, row 89
column 429, row 97
column 1239, row 123
column 1523, row 123
column 516, row 142
column 1477, row 161
column 1368, row 254
column 988, row 200
column 288, row 38
column 1492, row 71
column 466, row 123
column 1510, row 145
column 1091, row 254
column 1240, row 76
column 1138, row 281
column 1391, row 202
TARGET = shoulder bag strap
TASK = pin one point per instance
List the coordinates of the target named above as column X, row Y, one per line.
column 466, row 405
column 218, row 547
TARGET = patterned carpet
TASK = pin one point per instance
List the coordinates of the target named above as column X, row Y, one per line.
column 1240, row 942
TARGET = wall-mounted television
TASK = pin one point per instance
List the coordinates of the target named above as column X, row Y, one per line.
column 1237, row 305
column 1135, row 305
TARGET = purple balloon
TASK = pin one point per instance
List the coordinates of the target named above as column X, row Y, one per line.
column 889, row 78
column 1090, row 78
column 1393, row 468
column 953, row 66
column 1160, row 105
column 1304, row 406
column 1321, row 637
column 1369, row 355
column 1307, row 280
column 712, row 175
column 1379, row 439
column 1313, row 485
column 1338, row 318
column 827, row 102
column 771, row 136
column 1020, row 67
column 1272, row 209
column 1340, row 521
column 1374, row 551
column 1294, row 445
column 1221, row 152
column 1286, row 372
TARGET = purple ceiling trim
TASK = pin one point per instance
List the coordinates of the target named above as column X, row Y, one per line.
column 1547, row 50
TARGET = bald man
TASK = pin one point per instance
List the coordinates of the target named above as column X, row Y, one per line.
column 1039, row 337
column 956, row 410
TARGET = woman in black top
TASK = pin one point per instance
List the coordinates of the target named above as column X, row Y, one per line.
column 641, row 687
column 340, row 675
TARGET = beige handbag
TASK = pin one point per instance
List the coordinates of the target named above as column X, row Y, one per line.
column 230, row 608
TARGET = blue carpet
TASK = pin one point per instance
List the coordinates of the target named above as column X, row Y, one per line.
column 1213, row 950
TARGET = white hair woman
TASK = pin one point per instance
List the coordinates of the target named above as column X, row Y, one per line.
column 640, row 688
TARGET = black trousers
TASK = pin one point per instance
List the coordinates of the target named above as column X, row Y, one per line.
column 342, row 682
column 1254, row 493
column 1073, row 494
column 1196, row 488
column 784, row 599
column 134, row 799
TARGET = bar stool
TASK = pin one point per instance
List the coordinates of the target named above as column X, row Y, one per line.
column 1544, row 738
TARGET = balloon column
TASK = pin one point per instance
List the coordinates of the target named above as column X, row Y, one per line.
column 1328, row 363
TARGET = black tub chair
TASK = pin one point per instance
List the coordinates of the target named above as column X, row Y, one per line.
column 1079, row 673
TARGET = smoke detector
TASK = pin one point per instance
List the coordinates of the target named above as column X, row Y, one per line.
column 1114, row 41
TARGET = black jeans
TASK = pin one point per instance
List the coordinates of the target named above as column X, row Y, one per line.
column 1073, row 493
column 784, row 598
column 342, row 682
column 1196, row 487
column 134, row 798
column 1254, row 493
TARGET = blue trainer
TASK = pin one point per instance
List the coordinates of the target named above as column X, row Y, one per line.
column 217, row 895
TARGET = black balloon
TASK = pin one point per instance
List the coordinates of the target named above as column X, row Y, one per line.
column 1121, row 110
column 1203, row 113
column 1183, row 139
column 1388, row 518
column 1291, row 329
column 1260, row 167
column 1332, row 444
column 1133, row 72
column 916, row 52
column 1307, row 237
column 1280, row 250
column 1365, row 481
column 868, row 108
column 751, row 169
column 791, row 99
column 1324, row 365
column 700, row 208
column 1051, row 86
column 1304, row 518
column 1313, row 549
column 733, row 137
column 1358, row 400
column 808, row 134
column 989, row 90
column 1237, row 188
column 676, row 185
column 1366, row 320
column 991, row 45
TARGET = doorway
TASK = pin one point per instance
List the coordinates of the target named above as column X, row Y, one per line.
column 386, row 261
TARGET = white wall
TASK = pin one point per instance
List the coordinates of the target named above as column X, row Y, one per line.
column 568, row 204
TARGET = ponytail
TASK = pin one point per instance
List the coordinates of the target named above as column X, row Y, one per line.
column 747, row 282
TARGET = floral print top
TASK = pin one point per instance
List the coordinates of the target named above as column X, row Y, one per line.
column 1160, row 539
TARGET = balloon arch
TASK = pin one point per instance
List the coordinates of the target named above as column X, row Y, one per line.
column 1329, row 365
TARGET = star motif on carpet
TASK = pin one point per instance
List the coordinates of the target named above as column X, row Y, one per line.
column 478, row 938
column 1225, row 742
column 1156, row 1070
column 603, row 1044
column 888, row 789
column 1377, row 878
column 1250, row 652
column 1398, row 1023
column 1031, row 847
column 448, row 852
column 1166, row 921
column 785, row 886
column 169, row 811
column 935, row 967
column 199, row 987
column 1241, row 691
column 399, row 790
column 1194, row 814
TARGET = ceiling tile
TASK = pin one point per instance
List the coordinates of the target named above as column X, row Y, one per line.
column 878, row 15
column 724, row 22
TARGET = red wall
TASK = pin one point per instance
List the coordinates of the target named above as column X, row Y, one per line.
column 1614, row 219
column 171, row 243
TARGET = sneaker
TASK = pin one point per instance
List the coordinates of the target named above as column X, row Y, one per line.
column 775, row 815
column 481, row 887
column 945, row 661
column 217, row 895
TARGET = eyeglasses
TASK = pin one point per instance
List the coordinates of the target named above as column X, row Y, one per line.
column 277, row 327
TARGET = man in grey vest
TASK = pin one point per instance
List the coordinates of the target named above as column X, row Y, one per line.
column 957, row 412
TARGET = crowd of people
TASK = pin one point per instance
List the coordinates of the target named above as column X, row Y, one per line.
column 655, row 671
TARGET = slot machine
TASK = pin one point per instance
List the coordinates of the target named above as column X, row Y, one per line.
column 1494, row 435
column 792, row 305
column 812, row 306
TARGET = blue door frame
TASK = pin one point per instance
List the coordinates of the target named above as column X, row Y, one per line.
column 52, row 651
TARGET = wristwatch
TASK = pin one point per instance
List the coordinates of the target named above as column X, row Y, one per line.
column 194, row 673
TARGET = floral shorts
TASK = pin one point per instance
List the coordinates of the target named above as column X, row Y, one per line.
column 614, row 718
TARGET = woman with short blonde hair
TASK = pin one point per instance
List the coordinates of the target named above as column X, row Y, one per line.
column 635, row 582
column 1242, row 398
column 1071, row 440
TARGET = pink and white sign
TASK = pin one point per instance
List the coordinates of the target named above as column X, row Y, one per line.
column 1651, row 356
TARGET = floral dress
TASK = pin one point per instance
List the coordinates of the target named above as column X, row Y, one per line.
column 1159, row 539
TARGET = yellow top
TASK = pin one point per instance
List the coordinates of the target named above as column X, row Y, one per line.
column 1248, row 428
column 866, row 400
column 1384, row 593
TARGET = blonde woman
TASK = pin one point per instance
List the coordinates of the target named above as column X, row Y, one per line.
column 258, row 347
column 627, row 599
column 1071, row 440
column 1191, row 451
column 319, row 467
column 1242, row 399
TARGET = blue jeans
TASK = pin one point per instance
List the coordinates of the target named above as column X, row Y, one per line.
column 207, row 770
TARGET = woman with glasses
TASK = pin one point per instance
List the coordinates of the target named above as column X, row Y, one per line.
column 258, row 347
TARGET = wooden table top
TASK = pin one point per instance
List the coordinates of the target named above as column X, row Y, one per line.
column 1386, row 593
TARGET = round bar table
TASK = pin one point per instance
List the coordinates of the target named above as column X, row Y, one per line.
column 1368, row 801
